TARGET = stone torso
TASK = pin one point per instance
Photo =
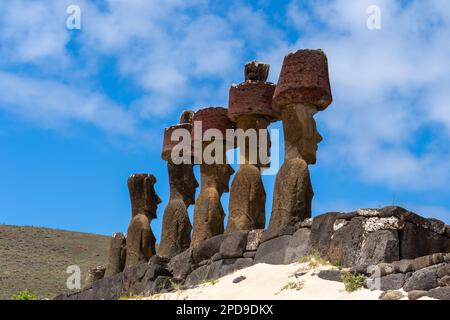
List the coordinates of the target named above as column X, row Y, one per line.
column 176, row 229
column 292, row 194
column 140, row 240
column 247, row 200
column 208, row 216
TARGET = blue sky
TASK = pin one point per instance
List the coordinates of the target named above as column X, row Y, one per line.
column 80, row 110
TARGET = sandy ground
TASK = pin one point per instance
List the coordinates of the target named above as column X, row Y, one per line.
column 266, row 282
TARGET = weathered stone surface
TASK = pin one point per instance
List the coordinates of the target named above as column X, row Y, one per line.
column 298, row 245
column 239, row 279
column 428, row 278
column 445, row 281
column 215, row 257
column 273, row 251
column 426, row 261
column 303, row 79
column 321, row 232
column 144, row 202
column 330, row 275
column 247, row 205
column 217, row 270
column 256, row 71
column 234, row 244
column 168, row 144
column 254, row 239
column 390, row 223
column 379, row 246
column 208, row 212
column 393, row 281
column 251, row 98
column 94, row 275
column 110, row 288
column 182, row 265
column 442, row 293
column 342, row 246
column 293, row 194
column 404, row 265
column 307, row 223
column 116, row 254
column 206, row 249
column 228, row 266
column 417, row 294
column 417, row 241
column 433, row 225
column 176, row 227
column 249, row 254
column 391, row 295
column 212, row 118
column 278, row 232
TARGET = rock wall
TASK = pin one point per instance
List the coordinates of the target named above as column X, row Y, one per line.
column 358, row 240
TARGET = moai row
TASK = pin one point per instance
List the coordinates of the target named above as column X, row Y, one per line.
column 144, row 203
column 303, row 89
column 250, row 106
column 215, row 177
column 176, row 227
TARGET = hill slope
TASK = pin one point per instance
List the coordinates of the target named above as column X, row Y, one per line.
column 37, row 258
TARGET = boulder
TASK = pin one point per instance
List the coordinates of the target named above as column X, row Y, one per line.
column 182, row 265
column 322, row 231
column 445, row 281
column 206, row 249
column 275, row 233
column 239, row 279
column 273, row 251
column 404, row 265
column 427, row 278
column 249, row 254
column 254, row 239
column 94, row 275
column 417, row 294
column 234, row 244
column 391, row 295
column 417, row 241
column 298, row 245
column 378, row 246
column 442, row 293
column 330, row 275
column 393, row 281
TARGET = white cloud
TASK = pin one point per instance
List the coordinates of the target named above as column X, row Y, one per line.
column 388, row 86
column 55, row 105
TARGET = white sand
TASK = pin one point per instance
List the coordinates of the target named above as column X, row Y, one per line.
column 265, row 282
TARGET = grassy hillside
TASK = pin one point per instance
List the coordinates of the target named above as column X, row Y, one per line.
column 36, row 258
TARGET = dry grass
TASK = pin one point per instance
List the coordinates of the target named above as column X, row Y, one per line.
column 36, row 258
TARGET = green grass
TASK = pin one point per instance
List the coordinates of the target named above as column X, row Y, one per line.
column 24, row 295
column 293, row 285
column 209, row 281
column 37, row 258
column 313, row 259
column 353, row 281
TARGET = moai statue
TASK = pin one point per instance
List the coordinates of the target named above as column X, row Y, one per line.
column 176, row 227
column 303, row 89
column 250, row 106
column 215, row 175
column 116, row 254
column 144, row 202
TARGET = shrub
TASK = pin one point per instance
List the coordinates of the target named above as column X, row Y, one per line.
column 24, row 295
column 298, row 285
column 353, row 281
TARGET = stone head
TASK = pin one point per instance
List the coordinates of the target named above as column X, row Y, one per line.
column 224, row 173
column 182, row 178
column 302, row 131
column 144, row 199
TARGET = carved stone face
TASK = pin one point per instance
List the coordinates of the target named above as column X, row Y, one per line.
column 144, row 199
column 311, row 139
column 190, row 185
column 301, row 135
column 224, row 174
